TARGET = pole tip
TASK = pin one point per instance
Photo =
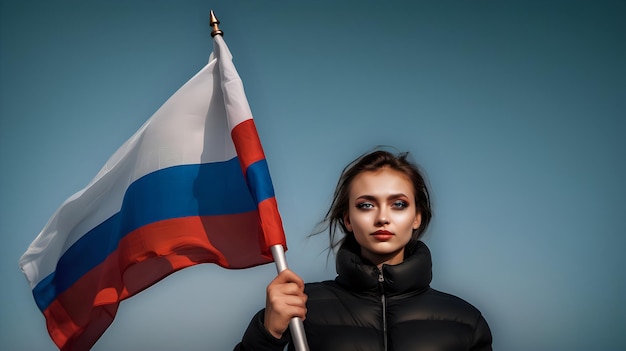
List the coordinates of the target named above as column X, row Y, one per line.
column 213, row 21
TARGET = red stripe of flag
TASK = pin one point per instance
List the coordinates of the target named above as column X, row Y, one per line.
column 144, row 257
column 247, row 144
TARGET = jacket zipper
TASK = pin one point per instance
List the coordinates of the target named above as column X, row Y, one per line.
column 383, row 301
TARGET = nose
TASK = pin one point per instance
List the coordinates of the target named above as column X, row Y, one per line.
column 382, row 218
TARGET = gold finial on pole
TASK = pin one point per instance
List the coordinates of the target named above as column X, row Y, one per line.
column 213, row 21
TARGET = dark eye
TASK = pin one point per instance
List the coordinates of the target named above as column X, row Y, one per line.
column 364, row 205
column 400, row 204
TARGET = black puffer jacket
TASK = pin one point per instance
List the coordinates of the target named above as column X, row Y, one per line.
column 368, row 310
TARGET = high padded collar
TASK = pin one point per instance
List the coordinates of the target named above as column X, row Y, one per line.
column 358, row 274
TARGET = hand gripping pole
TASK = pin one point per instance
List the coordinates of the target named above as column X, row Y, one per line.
column 295, row 324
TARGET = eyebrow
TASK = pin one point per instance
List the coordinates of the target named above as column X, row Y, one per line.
column 392, row 196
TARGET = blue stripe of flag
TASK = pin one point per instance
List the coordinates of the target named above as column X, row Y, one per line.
column 259, row 181
column 209, row 189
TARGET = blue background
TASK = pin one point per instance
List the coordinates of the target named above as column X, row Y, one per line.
column 515, row 109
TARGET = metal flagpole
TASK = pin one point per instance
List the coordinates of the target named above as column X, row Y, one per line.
column 295, row 324
column 296, row 327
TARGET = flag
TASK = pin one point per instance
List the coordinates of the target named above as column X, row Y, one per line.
column 190, row 186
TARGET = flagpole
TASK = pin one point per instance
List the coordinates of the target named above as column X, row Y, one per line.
column 213, row 22
column 295, row 324
column 296, row 327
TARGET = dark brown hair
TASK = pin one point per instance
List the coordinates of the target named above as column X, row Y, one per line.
column 374, row 161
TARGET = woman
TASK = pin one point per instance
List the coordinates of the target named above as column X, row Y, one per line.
column 381, row 298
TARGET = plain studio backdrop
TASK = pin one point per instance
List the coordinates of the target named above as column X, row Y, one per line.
column 515, row 110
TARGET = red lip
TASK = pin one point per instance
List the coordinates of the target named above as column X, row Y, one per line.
column 382, row 235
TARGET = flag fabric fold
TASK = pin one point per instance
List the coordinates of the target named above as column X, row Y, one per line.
column 190, row 186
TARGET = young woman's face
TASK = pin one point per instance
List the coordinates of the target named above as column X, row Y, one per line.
column 382, row 214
